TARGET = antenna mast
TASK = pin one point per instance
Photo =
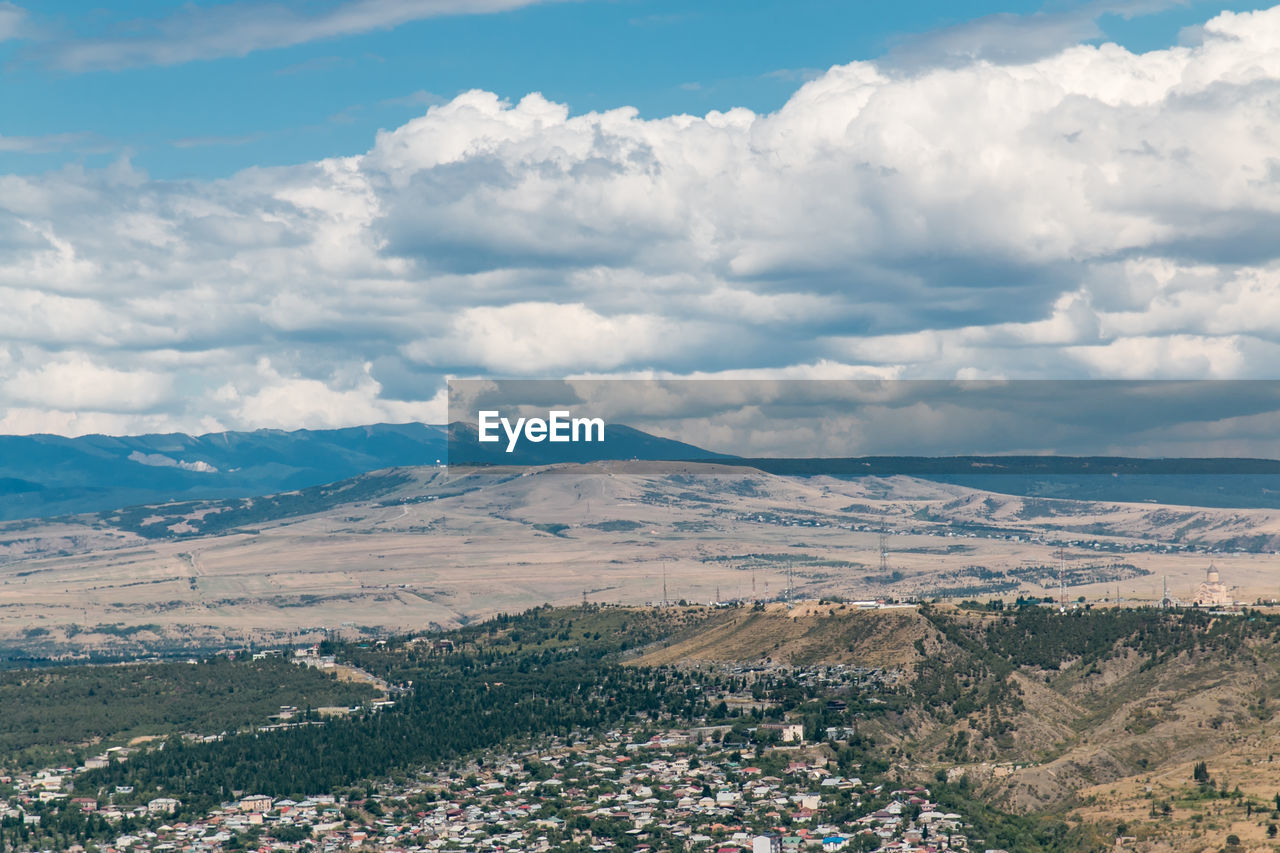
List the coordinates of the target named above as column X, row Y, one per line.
column 1062, row 577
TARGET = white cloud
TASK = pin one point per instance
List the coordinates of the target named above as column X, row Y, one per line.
column 159, row 460
column 23, row 420
column 1091, row 212
column 1178, row 356
column 38, row 144
column 544, row 338
column 78, row 382
column 292, row 402
column 12, row 21
column 237, row 29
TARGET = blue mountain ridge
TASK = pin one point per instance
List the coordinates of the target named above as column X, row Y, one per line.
column 43, row 476
column 48, row 475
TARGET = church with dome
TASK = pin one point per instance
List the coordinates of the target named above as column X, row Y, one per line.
column 1213, row 592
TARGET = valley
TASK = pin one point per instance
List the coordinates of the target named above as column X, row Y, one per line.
column 692, row 727
column 412, row 548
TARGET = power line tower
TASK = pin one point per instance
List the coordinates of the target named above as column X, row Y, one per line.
column 884, row 554
column 664, row 584
column 1062, row 577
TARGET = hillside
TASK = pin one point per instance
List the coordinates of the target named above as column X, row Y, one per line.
column 1210, row 482
column 802, row 635
column 619, row 442
column 43, row 476
column 1100, row 716
column 1048, row 730
column 56, row 714
column 407, row 548
column 49, row 475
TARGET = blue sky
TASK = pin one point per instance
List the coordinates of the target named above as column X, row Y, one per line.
column 311, row 213
column 190, row 110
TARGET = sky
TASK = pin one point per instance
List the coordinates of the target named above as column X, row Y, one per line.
column 1151, row 418
column 309, row 213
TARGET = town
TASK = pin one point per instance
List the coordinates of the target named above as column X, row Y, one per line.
column 781, row 727
column 673, row 790
column 716, row 764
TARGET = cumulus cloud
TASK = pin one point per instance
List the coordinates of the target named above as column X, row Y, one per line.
column 291, row 401
column 78, row 382
column 1083, row 211
column 545, row 338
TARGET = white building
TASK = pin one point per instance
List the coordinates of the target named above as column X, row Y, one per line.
column 766, row 844
column 787, row 732
column 163, row 805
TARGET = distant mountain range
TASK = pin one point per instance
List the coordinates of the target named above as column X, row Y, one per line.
column 1208, row 482
column 620, row 442
column 46, row 475
column 49, row 475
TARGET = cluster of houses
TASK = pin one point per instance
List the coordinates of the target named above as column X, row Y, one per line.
column 31, row 795
column 672, row 791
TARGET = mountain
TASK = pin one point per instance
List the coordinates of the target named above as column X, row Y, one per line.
column 621, row 442
column 50, row 475
column 1098, row 713
column 46, row 475
column 1203, row 482
column 402, row 548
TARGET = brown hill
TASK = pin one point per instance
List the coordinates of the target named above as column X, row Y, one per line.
column 404, row 549
column 1094, row 715
column 805, row 634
